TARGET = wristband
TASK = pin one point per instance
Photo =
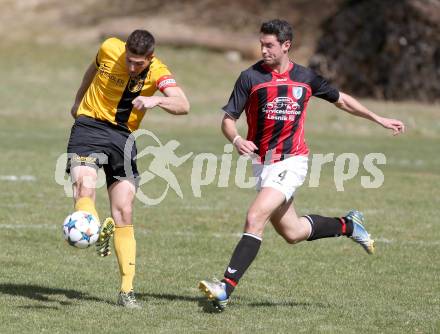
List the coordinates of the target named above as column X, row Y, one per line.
column 237, row 137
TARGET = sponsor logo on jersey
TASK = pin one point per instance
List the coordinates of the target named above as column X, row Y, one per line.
column 111, row 77
column 282, row 109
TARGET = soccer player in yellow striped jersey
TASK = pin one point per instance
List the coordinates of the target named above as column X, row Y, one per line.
column 120, row 77
column 116, row 91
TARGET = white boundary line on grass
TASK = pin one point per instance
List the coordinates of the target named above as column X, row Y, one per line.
column 334, row 210
column 18, row 178
column 144, row 231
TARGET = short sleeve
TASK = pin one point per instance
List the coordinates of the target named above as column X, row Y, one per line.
column 109, row 51
column 322, row 89
column 102, row 52
column 239, row 96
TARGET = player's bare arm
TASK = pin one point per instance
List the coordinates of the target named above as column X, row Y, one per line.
column 86, row 81
column 354, row 107
column 229, row 129
column 174, row 101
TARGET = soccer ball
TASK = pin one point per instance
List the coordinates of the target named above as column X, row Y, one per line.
column 81, row 229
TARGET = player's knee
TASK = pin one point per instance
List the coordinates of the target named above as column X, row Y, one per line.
column 126, row 213
column 122, row 215
column 83, row 191
column 254, row 222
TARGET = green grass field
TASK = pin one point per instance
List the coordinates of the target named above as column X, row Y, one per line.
column 327, row 286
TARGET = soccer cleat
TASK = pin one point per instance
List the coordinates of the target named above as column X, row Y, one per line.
column 360, row 234
column 105, row 234
column 128, row 300
column 215, row 291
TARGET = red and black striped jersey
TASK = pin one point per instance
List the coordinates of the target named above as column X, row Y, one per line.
column 275, row 106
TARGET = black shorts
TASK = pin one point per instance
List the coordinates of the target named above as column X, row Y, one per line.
column 99, row 144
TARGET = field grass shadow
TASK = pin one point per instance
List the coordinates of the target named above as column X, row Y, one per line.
column 288, row 304
column 201, row 301
column 38, row 307
column 208, row 307
column 168, row 296
column 47, row 294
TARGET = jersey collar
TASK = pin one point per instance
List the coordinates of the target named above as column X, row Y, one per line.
column 270, row 70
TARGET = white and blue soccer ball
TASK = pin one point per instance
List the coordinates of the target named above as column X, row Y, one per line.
column 81, row 229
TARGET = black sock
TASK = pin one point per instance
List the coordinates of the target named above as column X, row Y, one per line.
column 245, row 252
column 326, row 227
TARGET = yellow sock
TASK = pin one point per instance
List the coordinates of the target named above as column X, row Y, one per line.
column 86, row 204
column 125, row 249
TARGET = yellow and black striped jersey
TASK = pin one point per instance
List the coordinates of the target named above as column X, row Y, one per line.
column 110, row 95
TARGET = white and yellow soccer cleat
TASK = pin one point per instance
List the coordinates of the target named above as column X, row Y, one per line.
column 106, row 231
column 360, row 234
column 215, row 292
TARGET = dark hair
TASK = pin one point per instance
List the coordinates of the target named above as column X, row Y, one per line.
column 140, row 42
column 280, row 28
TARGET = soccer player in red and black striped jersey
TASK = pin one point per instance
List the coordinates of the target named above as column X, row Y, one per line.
column 274, row 93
